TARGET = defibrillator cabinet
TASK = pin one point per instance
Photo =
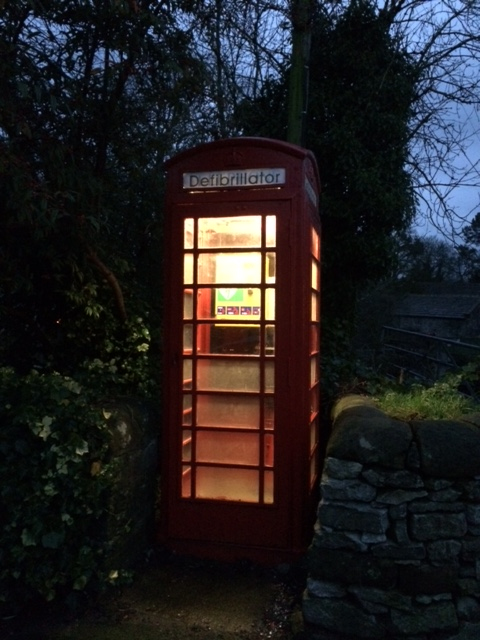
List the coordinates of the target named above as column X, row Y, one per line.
column 241, row 341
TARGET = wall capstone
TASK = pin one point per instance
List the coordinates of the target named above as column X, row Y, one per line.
column 396, row 549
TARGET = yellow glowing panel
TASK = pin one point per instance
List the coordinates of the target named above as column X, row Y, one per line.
column 188, row 233
column 230, row 232
column 228, row 375
column 228, row 410
column 188, row 268
column 271, row 231
column 228, row 447
column 218, row 483
column 268, row 487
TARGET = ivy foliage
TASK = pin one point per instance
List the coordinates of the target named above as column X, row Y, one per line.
column 53, row 485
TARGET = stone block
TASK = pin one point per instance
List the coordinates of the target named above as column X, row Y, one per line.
column 341, row 617
column 468, row 587
column 471, row 490
column 448, row 449
column 466, row 631
column 364, row 434
column 323, row 589
column 444, row 551
column 470, row 549
column 350, row 568
column 445, row 495
column 427, row 506
column 433, row 526
column 397, row 512
column 473, row 514
column 437, row 484
column 468, row 608
column 337, row 540
column 347, row 489
column 413, row 457
column 399, row 496
column 341, row 469
column 399, row 552
column 400, row 479
column 426, row 619
column 426, row 579
column 391, row 598
column 400, row 532
column 353, row 517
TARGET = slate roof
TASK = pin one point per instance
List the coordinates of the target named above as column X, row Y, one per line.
column 436, row 306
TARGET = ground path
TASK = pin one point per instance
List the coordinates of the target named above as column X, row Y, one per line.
column 183, row 599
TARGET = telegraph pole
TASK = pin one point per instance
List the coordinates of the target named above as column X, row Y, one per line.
column 301, row 13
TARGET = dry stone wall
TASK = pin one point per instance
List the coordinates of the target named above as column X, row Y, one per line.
column 396, row 550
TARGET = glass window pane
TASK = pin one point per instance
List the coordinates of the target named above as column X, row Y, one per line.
column 228, row 411
column 315, row 275
column 268, row 487
column 269, row 414
column 231, row 340
column 235, row 231
column 229, row 268
column 313, row 434
column 271, row 231
column 188, row 304
column 186, row 446
column 187, row 337
column 270, row 304
column 269, row 376
column 315, row 307
column 268, row 450
column 269, row 340
column 228, row 375
column 313, row 470
column 219, row 483
column 313, row 370
column 270, row 266
column 188, row 268
column 186, row 481
column 187, row 373
column 314, row 338
column 315, row 244
column 188, row 233
column 228, row 448
column 314, row 400
column 187, row 410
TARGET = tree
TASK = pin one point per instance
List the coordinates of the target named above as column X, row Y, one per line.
column 241, row 43
column 361, row 89
column 469, row 251
column 430, row 259
column 91, row 95
column 441, row 38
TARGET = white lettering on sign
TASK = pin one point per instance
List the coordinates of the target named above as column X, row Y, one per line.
column 228, row 179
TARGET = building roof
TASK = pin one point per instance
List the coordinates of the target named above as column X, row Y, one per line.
column 436, row 306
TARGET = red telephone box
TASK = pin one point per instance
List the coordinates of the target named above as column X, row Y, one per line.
column 240, row 446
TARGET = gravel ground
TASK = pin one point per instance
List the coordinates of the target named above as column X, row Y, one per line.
column 183, row 599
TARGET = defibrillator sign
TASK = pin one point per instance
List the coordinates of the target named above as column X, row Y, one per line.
column 234, row 179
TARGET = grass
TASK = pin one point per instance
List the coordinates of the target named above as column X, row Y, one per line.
column 441, row 401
